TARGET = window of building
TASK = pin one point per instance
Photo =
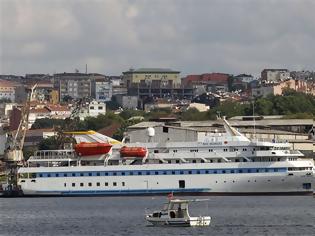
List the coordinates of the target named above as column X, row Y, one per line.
column 106, row 183
column 90, row 184
column 73, row 174
column 115, row 184
column 98, row 184
column 57, row 175
column 65, row 184
column 73, row 184
column 90, row 174
column 91, row 108
column 81, row 184
column 98, row 174
column 165, row 129
column 81, row 174
column 123, row 183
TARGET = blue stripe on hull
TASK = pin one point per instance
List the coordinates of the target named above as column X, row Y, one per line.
column 124, row 192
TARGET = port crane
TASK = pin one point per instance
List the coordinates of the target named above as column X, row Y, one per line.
column 13, row 156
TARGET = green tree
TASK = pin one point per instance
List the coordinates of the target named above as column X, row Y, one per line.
column 263, row 107
column 46, row 123
column 193, row 114
column 126, row 114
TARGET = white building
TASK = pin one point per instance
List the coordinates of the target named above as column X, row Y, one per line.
column 103, row 91
column 275, row 75
column 93, row 109
column 245, row 78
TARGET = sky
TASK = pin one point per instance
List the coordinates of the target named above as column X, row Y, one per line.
column 192, row 36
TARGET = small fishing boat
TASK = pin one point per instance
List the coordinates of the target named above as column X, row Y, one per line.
column 175, row 213
column 90, row 149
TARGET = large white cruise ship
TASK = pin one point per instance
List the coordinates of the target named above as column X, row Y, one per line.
column 227, row 163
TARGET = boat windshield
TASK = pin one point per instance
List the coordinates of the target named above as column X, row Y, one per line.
column 175, row 206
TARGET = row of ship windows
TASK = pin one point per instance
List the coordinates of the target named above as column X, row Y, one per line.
column 299, row 168
column 98, row 184
column 224, row 150
column 165, row 172
column 114, row 184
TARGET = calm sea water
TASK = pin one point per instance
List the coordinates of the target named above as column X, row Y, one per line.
column 244, row 215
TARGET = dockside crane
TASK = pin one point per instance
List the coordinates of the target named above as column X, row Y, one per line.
column 13, row 156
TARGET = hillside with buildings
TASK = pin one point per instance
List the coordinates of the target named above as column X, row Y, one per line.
column 110, row 104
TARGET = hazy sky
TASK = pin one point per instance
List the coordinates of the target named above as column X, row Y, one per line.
column 193, row 36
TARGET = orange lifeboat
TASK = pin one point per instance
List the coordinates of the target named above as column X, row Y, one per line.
column 133, row 152
column 90, row 149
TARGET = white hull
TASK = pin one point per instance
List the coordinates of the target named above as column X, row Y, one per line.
column 181, row 222
column 272, row 178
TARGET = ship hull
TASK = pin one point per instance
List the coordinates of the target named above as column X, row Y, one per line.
column 189, row 179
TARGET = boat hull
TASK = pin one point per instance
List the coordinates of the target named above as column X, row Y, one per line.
column 162, row 179
column 180, row 222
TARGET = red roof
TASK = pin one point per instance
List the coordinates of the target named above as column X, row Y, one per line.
column 109, row 130
column 214, row 77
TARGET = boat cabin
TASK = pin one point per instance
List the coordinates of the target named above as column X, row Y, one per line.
column 176, row 208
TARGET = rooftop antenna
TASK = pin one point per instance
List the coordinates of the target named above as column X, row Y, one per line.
column 85, row 68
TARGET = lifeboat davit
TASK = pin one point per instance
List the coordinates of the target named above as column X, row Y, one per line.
column 133, row 152
column 90, row 149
